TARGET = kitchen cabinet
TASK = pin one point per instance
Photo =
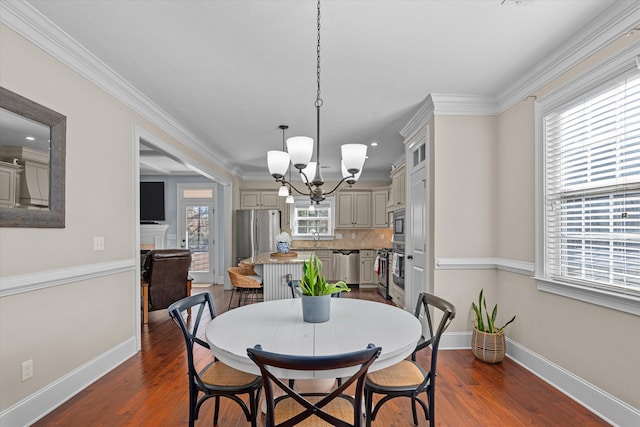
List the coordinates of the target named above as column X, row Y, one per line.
column 31, row 181
column 379, row 200
column 325, row 257
column 267, row 199
column 254, row 199
column 398, row 188
column 367, row 275
column 353, row 209
column 9, row 175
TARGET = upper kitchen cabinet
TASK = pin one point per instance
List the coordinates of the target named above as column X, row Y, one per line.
column 379, row 201
column 353, row 209
column 254, row 199
column 398, row 188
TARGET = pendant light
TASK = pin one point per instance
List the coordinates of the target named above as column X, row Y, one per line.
column 299, row 152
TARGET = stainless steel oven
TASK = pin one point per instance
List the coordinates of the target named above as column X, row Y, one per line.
column 398, row 226
column 396, row 284
column 382, row 271
column 397, row 265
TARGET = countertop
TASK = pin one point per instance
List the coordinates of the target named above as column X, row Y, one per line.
column 266, row 258
column 303, row 254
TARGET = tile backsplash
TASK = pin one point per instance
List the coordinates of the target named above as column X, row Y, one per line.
column 370, row 238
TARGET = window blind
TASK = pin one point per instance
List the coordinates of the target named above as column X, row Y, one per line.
column 592, row 187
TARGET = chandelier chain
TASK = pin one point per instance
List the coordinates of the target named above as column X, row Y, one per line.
column 318, row 99
column 314, row 184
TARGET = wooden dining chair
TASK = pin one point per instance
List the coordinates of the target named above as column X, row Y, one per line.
column 408, row 378
column 216, row 379
column 334, row 408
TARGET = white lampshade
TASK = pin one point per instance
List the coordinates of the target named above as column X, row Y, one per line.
column 353, row 156
column 310, row 171
column 300, row 148
column 283, row 191
column 289, row 199
column 312, row 208
column 278, row 162
column 345, row 173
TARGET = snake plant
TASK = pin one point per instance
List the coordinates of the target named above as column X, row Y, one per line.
column 313, row 282
column 490, row 325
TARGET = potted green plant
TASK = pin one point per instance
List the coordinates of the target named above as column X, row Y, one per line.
column 487, row 341
column 316, row 292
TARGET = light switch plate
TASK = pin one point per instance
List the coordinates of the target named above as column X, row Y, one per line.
column 98, row 243
column 27, row 369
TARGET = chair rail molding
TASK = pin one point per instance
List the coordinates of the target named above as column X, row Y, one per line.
column 513, row 266
column 12, row 285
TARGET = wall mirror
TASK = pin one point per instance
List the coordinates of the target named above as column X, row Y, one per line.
column 32, row 163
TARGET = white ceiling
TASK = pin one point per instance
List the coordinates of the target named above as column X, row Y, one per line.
column 232, row 71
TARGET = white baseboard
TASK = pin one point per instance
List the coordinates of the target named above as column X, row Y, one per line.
column 45, row 400
column 610, row 408
column 598, row 401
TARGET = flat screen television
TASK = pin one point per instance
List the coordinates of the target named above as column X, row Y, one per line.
column 151, row 202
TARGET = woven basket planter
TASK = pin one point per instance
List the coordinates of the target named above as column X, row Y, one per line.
column 488, row 347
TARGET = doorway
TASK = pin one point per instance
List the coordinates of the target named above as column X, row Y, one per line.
column 196, row 228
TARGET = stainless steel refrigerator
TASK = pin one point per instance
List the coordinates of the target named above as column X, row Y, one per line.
column 256, row 231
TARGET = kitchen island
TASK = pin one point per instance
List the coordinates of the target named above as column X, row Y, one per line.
column 274, row 272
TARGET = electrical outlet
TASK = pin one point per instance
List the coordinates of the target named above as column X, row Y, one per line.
column 27, row 369
column 98, row 243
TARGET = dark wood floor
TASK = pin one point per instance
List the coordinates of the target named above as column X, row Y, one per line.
column 150, row 389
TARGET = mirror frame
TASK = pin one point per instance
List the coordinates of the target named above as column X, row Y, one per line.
column 54, row 217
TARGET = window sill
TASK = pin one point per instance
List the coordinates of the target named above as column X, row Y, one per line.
column 615, row 301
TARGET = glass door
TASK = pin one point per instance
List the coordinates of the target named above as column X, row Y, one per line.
column 196, row 220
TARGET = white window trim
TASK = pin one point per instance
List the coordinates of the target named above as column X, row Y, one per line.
column 332, row 219
column 624, row 61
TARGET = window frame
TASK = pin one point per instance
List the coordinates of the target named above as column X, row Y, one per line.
column 610, row 297
column 304, row 200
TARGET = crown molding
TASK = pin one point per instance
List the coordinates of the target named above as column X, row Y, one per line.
column 449, row 104
column 419, row 119
column 31, row 24
column 464, row 105
column 35, row 27
column 618, row 19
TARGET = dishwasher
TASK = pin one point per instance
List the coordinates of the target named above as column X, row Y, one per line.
column 346, row 266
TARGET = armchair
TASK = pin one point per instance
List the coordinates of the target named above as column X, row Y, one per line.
column 165, row 279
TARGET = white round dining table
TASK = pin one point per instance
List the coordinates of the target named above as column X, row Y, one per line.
column 279, row 328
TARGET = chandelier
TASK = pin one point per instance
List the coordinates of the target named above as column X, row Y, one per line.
column 299, row 152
